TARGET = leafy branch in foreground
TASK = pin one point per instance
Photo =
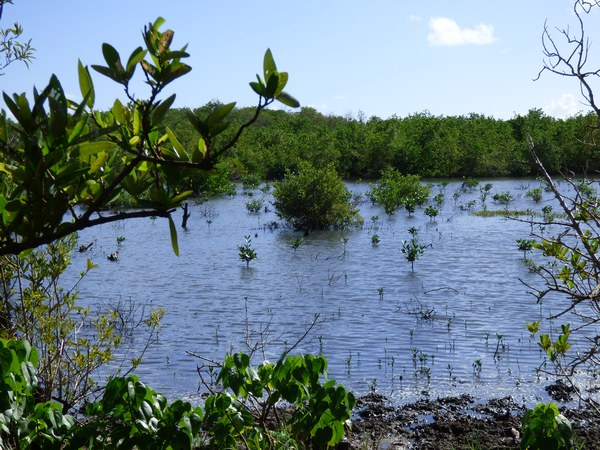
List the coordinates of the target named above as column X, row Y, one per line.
column 56, row 163
column 572, row 267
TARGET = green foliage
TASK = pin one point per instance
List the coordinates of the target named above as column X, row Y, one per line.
column 24, row 422
column 132, row 415
column 431, row 212
column 62, row 153
column 413, row 249
column 525, row 245
column 535, row 194
column 394, row 191
column 251, row 396
column 246, row 252
column 297, row 243
column 255, row 205
column 545, row 428
column 503, row 198
column 421, row 144
column 34, row 306
column 555, row 349
column 315, row 198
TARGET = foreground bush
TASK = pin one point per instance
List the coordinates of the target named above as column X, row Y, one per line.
column 245, row 410
column 315, row 198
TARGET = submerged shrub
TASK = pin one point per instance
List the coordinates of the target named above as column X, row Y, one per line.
column 394, row 191
column 315, row 198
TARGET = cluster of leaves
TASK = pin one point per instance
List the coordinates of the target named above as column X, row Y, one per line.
column 420, row 144
column 413, row 248
column 26, row 422
column 132, row 415
column 394, row 191
column 251, row 399
column 315, row 198
column 61, row 154
column 572, row 265
column 246, row 252
column 544, row 427
column 556, row 350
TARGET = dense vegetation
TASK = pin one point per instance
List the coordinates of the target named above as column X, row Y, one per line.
column 62, row 163
column 420, row 144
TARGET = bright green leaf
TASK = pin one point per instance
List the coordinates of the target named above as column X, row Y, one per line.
column 86, row 85
column 288, row 100
column 268, row 64
column 180, row 151
column 91, row 148
column 173, row 231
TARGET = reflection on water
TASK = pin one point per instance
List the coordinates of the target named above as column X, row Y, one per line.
column 371, row 308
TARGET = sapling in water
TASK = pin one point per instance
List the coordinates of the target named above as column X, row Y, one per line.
column 296, row 243
column 525, row 245
column 246, row 252
column 413, row 248
column 431, row 212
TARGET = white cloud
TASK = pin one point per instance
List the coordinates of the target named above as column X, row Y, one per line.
column 444, row 31
column 564, row 106
column 414, row 18
column 339, row 97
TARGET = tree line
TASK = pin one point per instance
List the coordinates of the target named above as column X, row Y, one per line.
column 421, row 144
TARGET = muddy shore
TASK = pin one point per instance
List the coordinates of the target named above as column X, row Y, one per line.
column 452, row 423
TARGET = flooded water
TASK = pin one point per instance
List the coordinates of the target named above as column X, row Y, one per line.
column 454, row 325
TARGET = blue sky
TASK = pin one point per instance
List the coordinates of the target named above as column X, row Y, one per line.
column 381, row 57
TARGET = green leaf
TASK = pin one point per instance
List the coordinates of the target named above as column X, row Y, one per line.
column 107, row 72
column 200, row 152
column 178, row 198
column 113, row 60
column 3, row 128
column 219, row 114
column 86, row 85
column 200, row 126
column 173, row 231
column 91, row 148
column 136, row 56
column 174, row 71
column 258, row 88
column 161, row 109
column 180, row 152
column 287, row 100
column 272, row 84
column 118, row 111
column 283, row 79
column 269, row 66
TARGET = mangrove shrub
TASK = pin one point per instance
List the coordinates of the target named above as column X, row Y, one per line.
column 394, row 191
column 315, row 198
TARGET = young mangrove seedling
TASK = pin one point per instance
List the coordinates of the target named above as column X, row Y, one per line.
column 375, row 239
column 413, row 249
column 296, row 243
column 246, row 252
column 525, row 245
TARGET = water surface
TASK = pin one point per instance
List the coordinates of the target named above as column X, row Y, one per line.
column 370, row 305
